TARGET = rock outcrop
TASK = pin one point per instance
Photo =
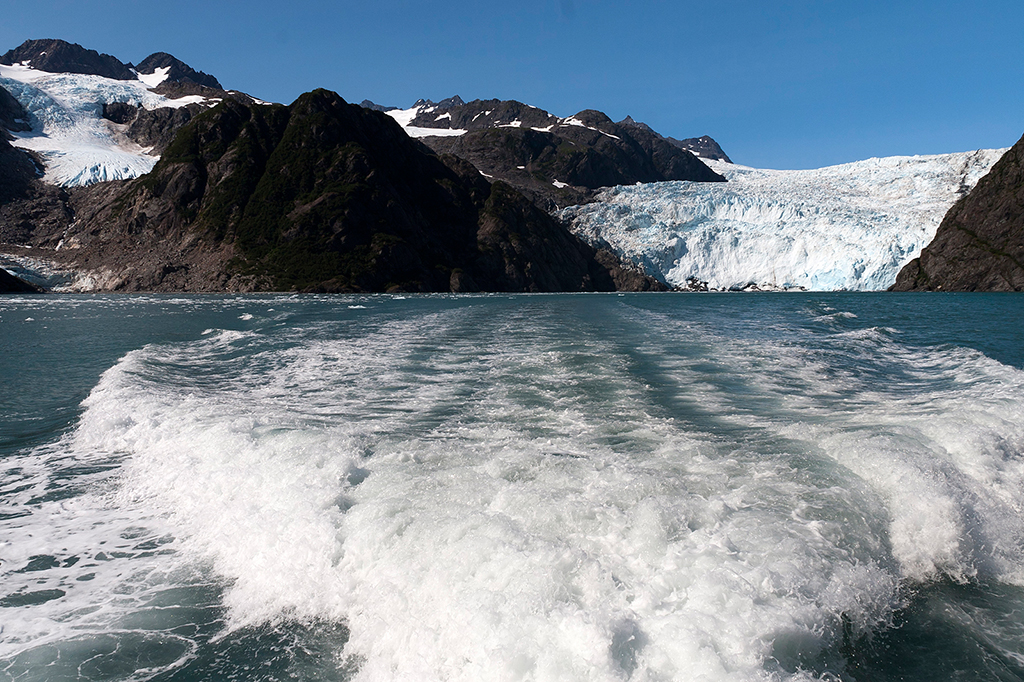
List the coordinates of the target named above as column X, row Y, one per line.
column 9, row 284
column 979, row 246
column 177, row 70
column 13, row 116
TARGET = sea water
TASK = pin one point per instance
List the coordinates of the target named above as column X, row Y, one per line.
column 494, row 487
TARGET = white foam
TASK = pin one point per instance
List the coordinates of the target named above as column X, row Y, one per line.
column 478, row 498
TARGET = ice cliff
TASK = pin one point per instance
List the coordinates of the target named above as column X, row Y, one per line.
column 851, row 226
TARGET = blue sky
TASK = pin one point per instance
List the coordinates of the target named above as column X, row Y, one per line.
column 780, row 84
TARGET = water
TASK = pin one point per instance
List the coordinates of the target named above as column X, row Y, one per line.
column 571, row 487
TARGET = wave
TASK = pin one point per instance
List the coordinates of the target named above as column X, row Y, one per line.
column 545, row 492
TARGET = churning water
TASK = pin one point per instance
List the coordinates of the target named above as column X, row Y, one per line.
column 569, row 487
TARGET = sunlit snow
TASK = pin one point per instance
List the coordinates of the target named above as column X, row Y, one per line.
column 76, row 144
column 405, row 117
column 843, row 227
column 156, row 78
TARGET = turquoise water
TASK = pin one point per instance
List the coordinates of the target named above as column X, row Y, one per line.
column 591, row 487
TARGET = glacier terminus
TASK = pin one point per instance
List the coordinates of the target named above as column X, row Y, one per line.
column 846, row 227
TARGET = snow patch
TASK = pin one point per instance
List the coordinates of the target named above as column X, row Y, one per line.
column 404, row 117
column 852, row 226
column 156, row 78
column 573, row 121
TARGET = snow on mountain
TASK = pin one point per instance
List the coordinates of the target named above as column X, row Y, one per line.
column 76, row 144
column 851, row 226
column 405, row 117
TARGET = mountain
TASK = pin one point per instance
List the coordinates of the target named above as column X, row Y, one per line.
column 319, row 195
column 980, row 244
column 844, row 227
column 166, row 67
column 59, row 56
column 704, row 147
column 97, row 121
column 555, row 161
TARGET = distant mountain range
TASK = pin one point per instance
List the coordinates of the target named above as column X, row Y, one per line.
column 153, row 178
column 59, row 56
column 555, row 161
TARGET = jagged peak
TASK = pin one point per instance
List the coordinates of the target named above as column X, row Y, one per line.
column 176, row 70
column 629, row 122
column 59, row 56
column 367, row 104
column 453, row 101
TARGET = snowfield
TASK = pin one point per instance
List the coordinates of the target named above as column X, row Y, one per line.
column 77, row 145
column 851, row 226
column 404, row 118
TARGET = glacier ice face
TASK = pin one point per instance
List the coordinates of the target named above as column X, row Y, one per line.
column 76, row 144
column 851, row 226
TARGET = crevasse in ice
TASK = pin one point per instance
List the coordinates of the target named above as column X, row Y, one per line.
column 76, row 144
column 851, row 226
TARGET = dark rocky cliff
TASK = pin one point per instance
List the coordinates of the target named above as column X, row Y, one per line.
column 979, row 245
column 13, row 116
column 320, row 195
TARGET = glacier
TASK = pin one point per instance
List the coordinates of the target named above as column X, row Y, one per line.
column 76, row 144
column 846, row 227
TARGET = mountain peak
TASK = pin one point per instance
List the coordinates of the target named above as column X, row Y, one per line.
column 630, row 123
column 176, row 70
column 59, row 56
column 453, row 101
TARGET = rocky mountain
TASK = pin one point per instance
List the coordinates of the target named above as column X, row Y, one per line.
column 704, row 147
column 319, row 195
column 90, row 127
column 174, row 70
column 979, row 246
column 59, row 56
column 555, row 161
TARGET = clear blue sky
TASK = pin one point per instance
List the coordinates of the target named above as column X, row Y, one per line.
column 779, row 83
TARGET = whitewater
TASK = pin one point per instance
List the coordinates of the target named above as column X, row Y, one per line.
column 847, row 227
column 569, row 487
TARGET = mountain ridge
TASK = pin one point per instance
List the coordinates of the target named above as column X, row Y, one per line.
column 318, row 195
column 555, row 161
column 54, row 55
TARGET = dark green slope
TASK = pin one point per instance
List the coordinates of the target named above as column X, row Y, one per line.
column 322, row 195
